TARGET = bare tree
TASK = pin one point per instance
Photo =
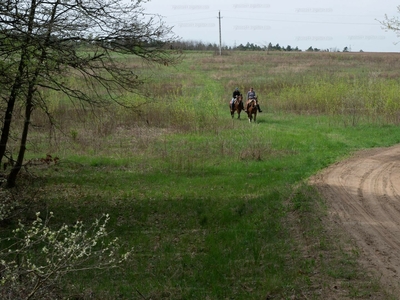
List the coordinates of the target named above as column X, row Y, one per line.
column 392, row 24
column 41, row 41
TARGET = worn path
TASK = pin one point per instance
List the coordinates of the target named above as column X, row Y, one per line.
column 363, row 196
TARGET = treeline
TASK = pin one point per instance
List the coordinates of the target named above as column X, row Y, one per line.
column 200, row 46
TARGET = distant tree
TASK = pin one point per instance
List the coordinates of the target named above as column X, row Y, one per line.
column 345, row 49
column 269, row 47
column 251, row 46
column 40, row 43
column 240, row 47
column 193, row 45
column 310, row 49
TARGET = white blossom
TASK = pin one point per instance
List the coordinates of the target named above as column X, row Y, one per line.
column 61, row 251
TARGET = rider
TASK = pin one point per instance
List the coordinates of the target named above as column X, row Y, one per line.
column 236, row 93
column 251, row 95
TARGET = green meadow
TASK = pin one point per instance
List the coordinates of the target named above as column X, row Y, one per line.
column 215, row 207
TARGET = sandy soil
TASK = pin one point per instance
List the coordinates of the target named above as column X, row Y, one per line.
column 363, row 197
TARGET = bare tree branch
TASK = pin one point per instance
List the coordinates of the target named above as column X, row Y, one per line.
column 44, row 41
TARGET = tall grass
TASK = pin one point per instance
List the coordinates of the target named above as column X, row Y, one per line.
column 373, row 99
column 192, row 96
column 353, row 86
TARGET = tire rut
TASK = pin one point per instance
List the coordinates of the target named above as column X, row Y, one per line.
column 363, row 195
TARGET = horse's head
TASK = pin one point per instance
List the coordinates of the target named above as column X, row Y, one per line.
column 251, row 105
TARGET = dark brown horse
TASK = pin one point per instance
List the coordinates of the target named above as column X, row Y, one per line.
column 237, row 106
column 252, row 109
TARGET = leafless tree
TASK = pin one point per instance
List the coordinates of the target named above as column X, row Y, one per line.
column 392, row 23
column 42, row 41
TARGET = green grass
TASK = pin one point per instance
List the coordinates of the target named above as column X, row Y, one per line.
column 217, row 208
column 207, row 214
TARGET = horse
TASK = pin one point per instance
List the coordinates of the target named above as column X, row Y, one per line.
column 237, row 106
column 252, row 109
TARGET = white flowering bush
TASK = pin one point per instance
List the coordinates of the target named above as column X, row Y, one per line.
column 36, row 257
column 8, row 204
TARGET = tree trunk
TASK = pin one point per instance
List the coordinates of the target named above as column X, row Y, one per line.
column 11, row 180
column 18, row 82
column 5, row 131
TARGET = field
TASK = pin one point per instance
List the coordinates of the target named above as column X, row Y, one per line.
column 214, row 207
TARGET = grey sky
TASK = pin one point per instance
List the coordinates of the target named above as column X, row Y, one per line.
column 320, row 24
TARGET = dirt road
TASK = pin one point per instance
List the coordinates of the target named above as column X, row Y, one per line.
column 363, row 197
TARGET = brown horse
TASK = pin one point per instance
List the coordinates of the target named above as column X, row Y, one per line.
column 237, row 106
column 252, row 109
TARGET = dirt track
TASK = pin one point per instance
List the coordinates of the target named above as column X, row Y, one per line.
column 363, row 196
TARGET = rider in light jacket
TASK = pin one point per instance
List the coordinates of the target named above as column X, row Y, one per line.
column 251, row 95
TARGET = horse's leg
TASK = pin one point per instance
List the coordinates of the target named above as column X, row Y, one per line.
column 233, row 109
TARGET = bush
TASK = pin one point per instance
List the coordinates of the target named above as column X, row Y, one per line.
column 35, row 259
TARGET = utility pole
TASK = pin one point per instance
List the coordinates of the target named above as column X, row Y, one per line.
column 219, row 18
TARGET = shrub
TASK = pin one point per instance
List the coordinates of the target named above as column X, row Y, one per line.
column 35, row 259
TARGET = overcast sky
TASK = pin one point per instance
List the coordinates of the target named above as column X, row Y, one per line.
column 303, row 23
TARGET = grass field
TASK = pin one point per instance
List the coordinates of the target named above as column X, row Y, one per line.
column 214, row 207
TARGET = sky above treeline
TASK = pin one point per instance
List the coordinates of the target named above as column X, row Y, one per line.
column 326, row 25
